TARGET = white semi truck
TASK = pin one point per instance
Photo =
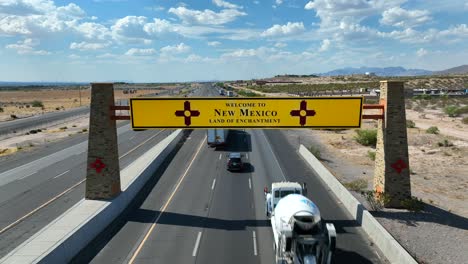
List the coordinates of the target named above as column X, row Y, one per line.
column 299, row 233
column 216, row 137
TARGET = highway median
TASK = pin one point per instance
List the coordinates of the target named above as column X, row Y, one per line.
column 64, row 237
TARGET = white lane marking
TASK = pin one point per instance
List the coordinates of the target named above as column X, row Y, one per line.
column 254, row 243
column 250, row 184
column 40, row 207
column 27, row 175
column 247, row 155
column 163, row 208
column 139, row 145
column 132, row 137
column 61, row 174
column 220, row 156
column 213, row 185
column 55, row 157
column 274, row 156
column 197, row 243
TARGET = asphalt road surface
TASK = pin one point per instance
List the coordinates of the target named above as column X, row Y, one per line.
column 38, row 186
column 39, row 120
column 198, row 212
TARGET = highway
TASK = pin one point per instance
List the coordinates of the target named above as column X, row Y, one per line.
column 195, row 211
column 37, row 186
column 40, row 120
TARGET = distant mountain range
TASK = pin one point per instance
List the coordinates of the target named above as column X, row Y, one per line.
column 394, row 71
column 455, row 70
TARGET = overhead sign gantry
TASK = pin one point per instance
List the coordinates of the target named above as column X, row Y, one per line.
column 319, row 112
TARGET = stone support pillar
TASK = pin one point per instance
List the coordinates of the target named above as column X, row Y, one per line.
column 392, row 174
column 103, row 171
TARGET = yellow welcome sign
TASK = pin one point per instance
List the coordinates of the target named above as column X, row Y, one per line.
column 308, row 112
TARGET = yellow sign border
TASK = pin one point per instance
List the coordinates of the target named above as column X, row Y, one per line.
column 361, row 98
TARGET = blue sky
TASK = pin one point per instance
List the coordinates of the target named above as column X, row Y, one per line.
column 163, row 41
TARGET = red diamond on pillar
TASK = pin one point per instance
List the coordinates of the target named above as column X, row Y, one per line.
column 399, row 166
column 98, row 165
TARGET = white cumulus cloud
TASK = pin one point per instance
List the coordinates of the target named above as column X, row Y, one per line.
column 140, row 52
column 176, row 49
column 421, row 52
column 206, row 17
column 88, row 46
column 284, row 30
column 214, row 43
column 27, row 47
column 224, row 4
column 325, row 45
column 400, row 17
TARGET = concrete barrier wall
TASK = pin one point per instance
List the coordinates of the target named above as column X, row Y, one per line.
column 67, row 235
column 392, row 250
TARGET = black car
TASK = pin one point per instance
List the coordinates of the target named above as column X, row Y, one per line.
column 234, row 162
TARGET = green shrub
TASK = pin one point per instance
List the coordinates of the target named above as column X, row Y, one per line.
column 462, row 110
column 376, row 200
column 1, row 109
column 84, row 130
column 316, row 151
column 371, row 155
column 423, row 97
column 451, row 110
column 465, row 120
column 63, row 128
column 366, row 137
column 37, row 103
column 433, row 130
column 248, row 93
column 445, row 143
column 410, row 124
column 358, row 185
column 413, row 204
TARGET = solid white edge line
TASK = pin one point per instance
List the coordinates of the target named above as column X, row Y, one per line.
column 254, row 243
column 213, row 185
column 61, row 174
column 27, row 175
column 163, row 208
column 197, row 243
column 220, row 156
column 250, row 184
column 274, row 156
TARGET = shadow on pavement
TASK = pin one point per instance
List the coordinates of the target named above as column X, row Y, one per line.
column 340, row 225
column 237, row 141
column 101, row 240
column 343, row 256
column 429, row 214
column 168, row 218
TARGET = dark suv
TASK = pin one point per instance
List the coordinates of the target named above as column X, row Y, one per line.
column 234, row 162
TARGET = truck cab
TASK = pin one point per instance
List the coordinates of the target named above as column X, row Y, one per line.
column 280, row 190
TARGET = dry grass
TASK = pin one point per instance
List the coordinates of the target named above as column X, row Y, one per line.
column 439, row 171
